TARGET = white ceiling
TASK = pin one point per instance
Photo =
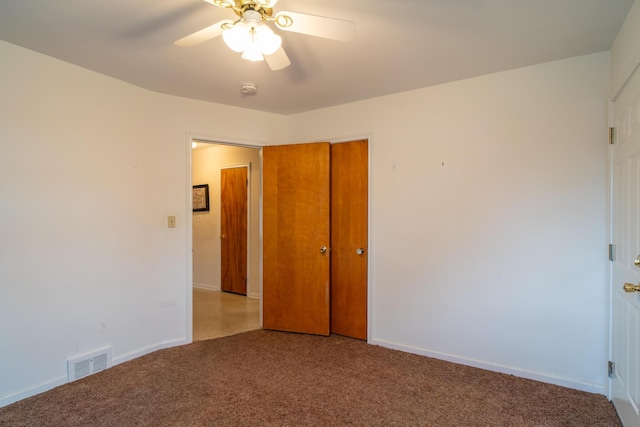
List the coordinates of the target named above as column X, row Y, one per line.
column 399, row 44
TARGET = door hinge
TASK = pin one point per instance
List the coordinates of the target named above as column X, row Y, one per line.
column 612, row 252
column 612, row 135
column 611, row 368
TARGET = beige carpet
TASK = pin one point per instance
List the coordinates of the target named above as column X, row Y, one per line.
column 220, row 314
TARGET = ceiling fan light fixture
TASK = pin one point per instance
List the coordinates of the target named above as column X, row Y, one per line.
column 268, row 42
column 252, row 39
column 252, row 53
column 237, row 37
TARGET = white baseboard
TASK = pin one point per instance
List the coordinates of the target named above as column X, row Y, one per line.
column 41, row 388
column 206, row 286
column 150, row 349
column 217, row 289
column 31, row 391
column 522, row 373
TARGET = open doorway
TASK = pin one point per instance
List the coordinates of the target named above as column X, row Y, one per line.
column 218, row 313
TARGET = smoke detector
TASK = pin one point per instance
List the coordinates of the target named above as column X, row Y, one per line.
column 249, row 89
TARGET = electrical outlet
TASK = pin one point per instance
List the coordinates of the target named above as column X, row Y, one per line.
column 171, row 221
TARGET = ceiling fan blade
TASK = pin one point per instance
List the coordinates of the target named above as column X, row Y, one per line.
column 278, row 60
column 319, row 26
column 208, row 33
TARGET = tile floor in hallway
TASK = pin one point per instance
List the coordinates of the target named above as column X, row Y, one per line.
column 219, row 314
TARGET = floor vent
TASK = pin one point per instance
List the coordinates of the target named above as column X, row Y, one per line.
column 88, row 363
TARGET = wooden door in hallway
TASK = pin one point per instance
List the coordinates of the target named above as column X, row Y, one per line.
column 233, row 226
column 349, row 252
column 296, row 201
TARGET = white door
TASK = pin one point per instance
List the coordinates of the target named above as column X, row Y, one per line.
column 625, row 383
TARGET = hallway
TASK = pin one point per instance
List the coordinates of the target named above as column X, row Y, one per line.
column 219, row 314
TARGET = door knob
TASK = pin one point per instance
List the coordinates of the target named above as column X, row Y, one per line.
column 222, row 236
column 323, row 250
column 359, row 251
column 637, row 261
column 630, row 287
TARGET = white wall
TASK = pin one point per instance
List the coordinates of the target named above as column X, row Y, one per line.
column 90, row 168
column 207, row 162
column 489, row 212
column 488, row 243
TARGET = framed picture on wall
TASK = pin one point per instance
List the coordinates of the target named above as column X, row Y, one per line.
column 201, row 198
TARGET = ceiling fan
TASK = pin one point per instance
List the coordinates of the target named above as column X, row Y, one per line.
column 251, row 35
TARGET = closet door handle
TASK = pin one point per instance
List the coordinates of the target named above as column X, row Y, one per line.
column 359, row 251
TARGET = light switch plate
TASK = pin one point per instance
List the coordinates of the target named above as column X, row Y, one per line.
column 171, row 221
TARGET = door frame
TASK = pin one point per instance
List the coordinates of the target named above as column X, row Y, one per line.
column 214, row 140
column 225, row 140
column 610, row 165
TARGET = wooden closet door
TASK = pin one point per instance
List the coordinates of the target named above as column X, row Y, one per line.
column 296, row 186
column 349, row 238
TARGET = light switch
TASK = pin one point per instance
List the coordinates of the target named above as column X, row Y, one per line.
column 171, row 221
